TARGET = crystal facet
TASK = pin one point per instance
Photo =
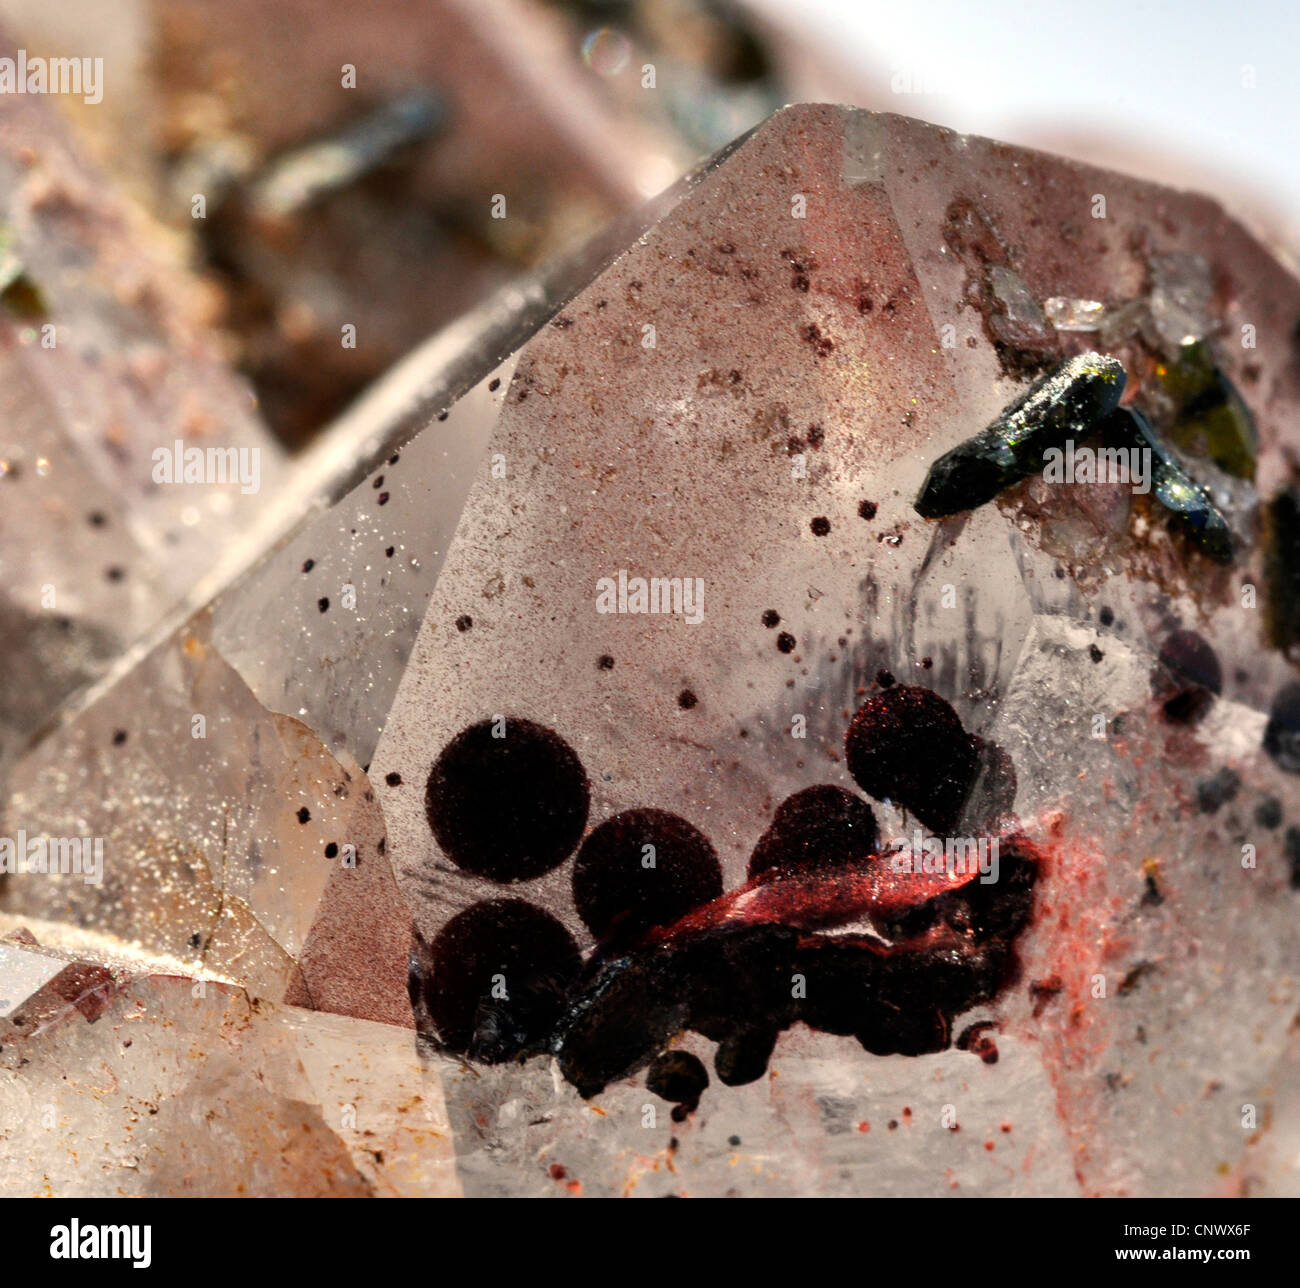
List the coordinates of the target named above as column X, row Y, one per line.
column 641, row 696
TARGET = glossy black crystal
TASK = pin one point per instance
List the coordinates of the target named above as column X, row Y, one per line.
column 1070, row 402
column 1190, row 503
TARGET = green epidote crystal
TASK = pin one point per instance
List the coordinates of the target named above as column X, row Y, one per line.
column 1174, row 488
column 1212, row 419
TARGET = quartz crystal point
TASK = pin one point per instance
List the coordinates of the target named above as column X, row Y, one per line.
column 634, row 589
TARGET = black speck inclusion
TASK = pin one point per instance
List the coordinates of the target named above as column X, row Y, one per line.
column 1213, row 793
column 1268, row 813
column 1291, row 845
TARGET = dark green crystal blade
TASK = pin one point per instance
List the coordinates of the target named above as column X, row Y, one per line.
column 1174, row 488
column 1070, row 402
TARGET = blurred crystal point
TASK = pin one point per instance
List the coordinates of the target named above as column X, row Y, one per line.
column 746, row 402
column 105, row 360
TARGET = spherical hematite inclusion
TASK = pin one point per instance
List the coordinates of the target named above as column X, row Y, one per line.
column 680, row 1078
column 503, row 980
column 818, row 827
column 908, row 745
column 643, row 868
column 501, row 970
column 507, row 799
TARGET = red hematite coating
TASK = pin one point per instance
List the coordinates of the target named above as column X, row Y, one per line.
column 822, row 899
